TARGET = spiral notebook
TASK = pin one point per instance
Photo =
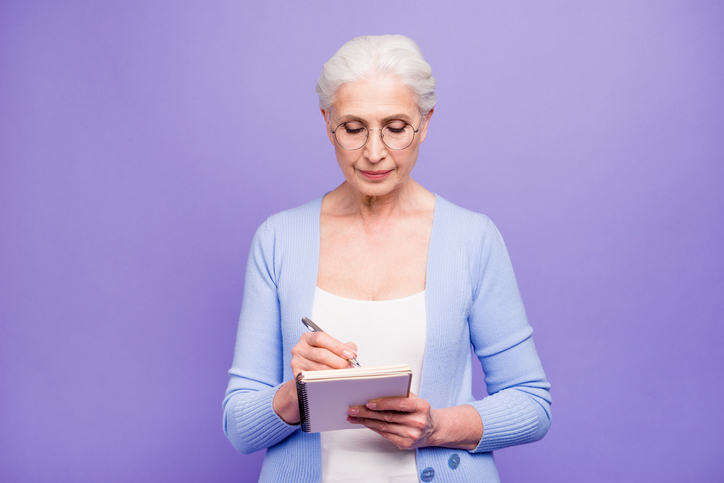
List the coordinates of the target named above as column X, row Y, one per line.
column 324, row 396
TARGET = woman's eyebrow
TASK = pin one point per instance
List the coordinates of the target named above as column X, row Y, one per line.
column 352, row 117
column 395, row 117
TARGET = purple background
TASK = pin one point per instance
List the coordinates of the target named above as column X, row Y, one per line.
column 142, row 143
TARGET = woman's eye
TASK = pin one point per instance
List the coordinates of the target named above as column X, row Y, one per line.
column 397, row 127
column 353, row 127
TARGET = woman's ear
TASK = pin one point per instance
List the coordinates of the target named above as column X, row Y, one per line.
column 425, row 123
column 328, row 125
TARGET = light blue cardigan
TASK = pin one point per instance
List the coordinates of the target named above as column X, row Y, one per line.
column 471, row 298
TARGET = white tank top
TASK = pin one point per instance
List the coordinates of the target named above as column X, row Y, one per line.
column 386, row 332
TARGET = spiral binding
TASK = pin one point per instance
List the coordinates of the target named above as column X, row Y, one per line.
column 303, row 403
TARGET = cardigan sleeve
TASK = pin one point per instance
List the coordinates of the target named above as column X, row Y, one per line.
column 256, row 374
column 518, row 408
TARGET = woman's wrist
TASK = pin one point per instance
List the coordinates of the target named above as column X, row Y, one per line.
column 286, row 404
column 458, row 427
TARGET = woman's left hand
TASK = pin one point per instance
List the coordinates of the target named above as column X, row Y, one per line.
column 408, row 422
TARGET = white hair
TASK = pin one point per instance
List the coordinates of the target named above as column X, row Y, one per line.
column 378, row 55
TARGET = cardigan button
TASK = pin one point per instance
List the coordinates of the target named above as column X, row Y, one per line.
column 454, row 461
column 427, row 474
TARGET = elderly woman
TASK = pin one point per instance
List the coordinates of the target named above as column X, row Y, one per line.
column 404, row 275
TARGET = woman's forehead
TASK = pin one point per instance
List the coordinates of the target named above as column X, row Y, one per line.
column 377, row 99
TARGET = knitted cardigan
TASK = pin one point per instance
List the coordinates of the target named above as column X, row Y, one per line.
column 471, row 298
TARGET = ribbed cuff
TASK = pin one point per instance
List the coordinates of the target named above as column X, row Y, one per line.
column 509, row 418
column 257, row 423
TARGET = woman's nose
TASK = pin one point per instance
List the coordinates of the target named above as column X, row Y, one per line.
column 375, row 149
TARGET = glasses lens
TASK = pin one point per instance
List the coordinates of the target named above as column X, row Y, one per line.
column 398, row 135
column 351, row 135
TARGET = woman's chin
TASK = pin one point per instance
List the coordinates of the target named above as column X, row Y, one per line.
column 376, row 189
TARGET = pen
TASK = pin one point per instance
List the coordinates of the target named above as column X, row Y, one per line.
column 315, row 328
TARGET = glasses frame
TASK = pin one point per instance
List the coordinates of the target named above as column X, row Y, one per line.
column 382, row 136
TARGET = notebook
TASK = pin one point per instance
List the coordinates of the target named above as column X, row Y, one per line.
column 324, row 396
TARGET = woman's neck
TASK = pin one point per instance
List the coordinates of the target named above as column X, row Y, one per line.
column 408, row 199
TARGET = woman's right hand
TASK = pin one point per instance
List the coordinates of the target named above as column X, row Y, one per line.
column 318, row 351
column 315, row 351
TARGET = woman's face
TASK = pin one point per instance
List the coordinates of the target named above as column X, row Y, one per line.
column 376, row 170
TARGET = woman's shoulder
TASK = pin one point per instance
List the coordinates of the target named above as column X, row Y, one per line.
column 472, row 235
column 291, row 226
column 292, row 218
column 456, row 217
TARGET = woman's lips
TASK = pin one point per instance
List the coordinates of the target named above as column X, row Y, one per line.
column 376, row 175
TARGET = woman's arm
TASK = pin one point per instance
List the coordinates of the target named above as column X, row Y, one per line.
column 250, row 422
column 518, row 408
column 260, row 409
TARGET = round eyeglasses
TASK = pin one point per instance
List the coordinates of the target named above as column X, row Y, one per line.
column 353, row 135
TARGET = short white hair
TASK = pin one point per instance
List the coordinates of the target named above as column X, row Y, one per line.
column 365, row 57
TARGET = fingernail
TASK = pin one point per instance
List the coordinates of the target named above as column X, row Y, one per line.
column 371, row 405
column 351, row 419
column 347, row 354
column 353, row 411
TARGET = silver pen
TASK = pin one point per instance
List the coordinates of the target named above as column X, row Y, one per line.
column 315, row 328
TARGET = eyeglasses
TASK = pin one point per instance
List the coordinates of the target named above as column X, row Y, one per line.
column 353, row 135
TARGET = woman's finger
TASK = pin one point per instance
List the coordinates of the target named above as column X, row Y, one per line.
column 401, row 404
column 326, row 341
column 415, row 420
column 402, row 435
column 407, row 422
column 319, row 351
column 313, row 359
column 392, row 409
